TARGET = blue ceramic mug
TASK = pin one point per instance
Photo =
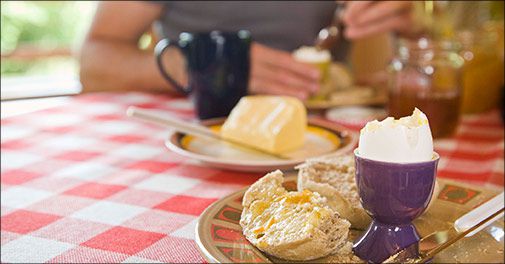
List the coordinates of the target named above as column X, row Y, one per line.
column 218, row 69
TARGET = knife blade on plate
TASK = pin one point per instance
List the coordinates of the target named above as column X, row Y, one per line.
column 465, row 226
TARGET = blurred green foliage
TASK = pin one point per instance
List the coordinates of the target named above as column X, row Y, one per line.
column 44, row 24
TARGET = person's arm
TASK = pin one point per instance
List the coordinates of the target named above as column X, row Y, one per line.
column 112, row 61
column 110, row 57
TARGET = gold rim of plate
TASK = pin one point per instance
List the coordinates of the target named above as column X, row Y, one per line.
column 322, row 132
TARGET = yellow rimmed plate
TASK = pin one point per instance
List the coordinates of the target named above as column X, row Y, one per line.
column 323, row 138
column 220, row 240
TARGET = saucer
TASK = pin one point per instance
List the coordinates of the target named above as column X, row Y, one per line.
column 355, row 115
column 352, row 96
column 322, row 138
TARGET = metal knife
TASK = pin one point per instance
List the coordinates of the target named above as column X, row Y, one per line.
column 466, row 226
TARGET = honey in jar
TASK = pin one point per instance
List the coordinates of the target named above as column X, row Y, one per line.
column 427, row 74
column 482, row 71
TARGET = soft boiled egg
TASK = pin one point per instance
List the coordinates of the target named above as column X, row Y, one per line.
column 403, row 140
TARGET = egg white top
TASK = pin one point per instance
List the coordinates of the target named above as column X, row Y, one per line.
column 405, row 140
column 311, row 55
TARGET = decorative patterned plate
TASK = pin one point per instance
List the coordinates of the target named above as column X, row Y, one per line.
column 322, row 138
column 220, row 240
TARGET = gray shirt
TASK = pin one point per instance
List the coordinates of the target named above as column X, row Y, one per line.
column 283, row 25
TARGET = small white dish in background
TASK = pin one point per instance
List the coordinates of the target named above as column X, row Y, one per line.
column 355, row 115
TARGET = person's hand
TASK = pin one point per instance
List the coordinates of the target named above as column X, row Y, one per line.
column 277, row 72
column 366, row 18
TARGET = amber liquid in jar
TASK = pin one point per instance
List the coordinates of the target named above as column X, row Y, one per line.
column 442, row 109
column 427, row 74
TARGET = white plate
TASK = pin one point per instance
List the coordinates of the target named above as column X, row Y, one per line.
column 323, row 138
column 355, row 115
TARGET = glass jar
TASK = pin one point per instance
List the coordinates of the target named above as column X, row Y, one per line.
column 427, row 74
column 483, row 70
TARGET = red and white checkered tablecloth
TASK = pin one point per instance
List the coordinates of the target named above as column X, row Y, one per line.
column 83, row 183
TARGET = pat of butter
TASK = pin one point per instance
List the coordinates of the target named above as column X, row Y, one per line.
column 275, row 124
column 405, row 140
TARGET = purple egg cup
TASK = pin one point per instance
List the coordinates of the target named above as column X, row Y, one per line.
column 393, row 194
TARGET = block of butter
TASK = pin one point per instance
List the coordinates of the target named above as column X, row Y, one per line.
column 275, row 124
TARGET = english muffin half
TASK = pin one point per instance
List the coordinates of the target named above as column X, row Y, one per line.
column 292, row 225
column 334, row 178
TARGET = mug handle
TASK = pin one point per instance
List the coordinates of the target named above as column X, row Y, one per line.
column 159, row 49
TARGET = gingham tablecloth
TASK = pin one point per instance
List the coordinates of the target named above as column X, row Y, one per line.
column 82, row 182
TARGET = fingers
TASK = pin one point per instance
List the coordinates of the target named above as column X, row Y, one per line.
column 277, row 72
column 400, row 23
column 367, row 18
column 353, row 9
column 282, row 59
column 381, row 11
column 265, row 79
column 284, row 77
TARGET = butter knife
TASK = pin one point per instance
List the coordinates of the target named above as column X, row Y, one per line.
column 193, row 129
column 465, row 226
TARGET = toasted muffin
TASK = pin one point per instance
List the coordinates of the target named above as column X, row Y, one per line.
column 334, row 178
column 291, row 225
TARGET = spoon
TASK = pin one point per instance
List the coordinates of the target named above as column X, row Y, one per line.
column 329, row 36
